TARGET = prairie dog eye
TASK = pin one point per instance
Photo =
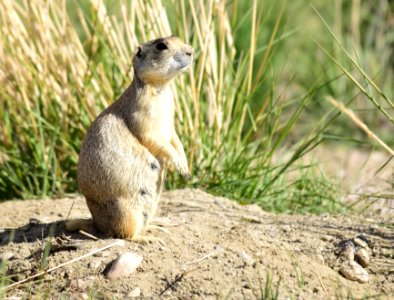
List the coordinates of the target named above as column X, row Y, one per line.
column 161, row 46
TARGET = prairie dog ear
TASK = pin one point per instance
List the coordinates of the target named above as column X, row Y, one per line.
column 138, row 52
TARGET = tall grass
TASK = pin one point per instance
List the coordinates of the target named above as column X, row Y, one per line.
column 64, row 61
column 360, row 50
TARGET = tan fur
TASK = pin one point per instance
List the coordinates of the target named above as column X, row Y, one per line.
column 126, row 150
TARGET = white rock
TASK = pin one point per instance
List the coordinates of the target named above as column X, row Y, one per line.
column 246, row 258
column 362, row 257
column 219, row 248
column 124, row 265
column 353, row 271
column 136, row 292
column 359, row 242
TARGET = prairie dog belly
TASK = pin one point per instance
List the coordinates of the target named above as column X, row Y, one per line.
column 161, row 116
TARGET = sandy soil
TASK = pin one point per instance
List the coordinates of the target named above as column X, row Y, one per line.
column 215, row 248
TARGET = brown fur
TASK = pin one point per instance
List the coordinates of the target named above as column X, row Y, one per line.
column 123, row 157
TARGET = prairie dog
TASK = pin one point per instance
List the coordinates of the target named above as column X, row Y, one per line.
column 125, row 151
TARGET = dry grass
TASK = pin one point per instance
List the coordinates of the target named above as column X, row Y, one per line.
column 356, row 120
column 64, row 61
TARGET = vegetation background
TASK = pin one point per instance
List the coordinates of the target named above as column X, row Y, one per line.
column 272, row 80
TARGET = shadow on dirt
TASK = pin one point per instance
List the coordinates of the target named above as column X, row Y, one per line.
column 34, row 231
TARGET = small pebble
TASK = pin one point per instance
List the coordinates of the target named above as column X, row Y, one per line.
column 327, row 238
column 136, row 292
column 286, row 228
column 78, row 284
column 101, row 253
column 34, row 221
column 364, row 238
column 6, row 256
column 362, row 257
column 246, row 258
column 95, row 264
column 353, row 271
column 221, row 204
column 252, row 219
column 359, row 242
column 124, row 265
column 37, row 221
column 218, row 248
column 347, row 250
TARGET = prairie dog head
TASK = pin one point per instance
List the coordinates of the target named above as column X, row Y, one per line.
column 160, row 60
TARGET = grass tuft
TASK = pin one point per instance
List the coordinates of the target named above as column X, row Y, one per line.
column 239, row 109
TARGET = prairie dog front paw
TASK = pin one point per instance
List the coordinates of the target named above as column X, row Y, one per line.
column 182, row 167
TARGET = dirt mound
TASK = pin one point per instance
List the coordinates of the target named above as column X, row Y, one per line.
column 214, row 248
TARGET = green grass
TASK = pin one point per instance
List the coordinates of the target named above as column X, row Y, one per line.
column 251, row 107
